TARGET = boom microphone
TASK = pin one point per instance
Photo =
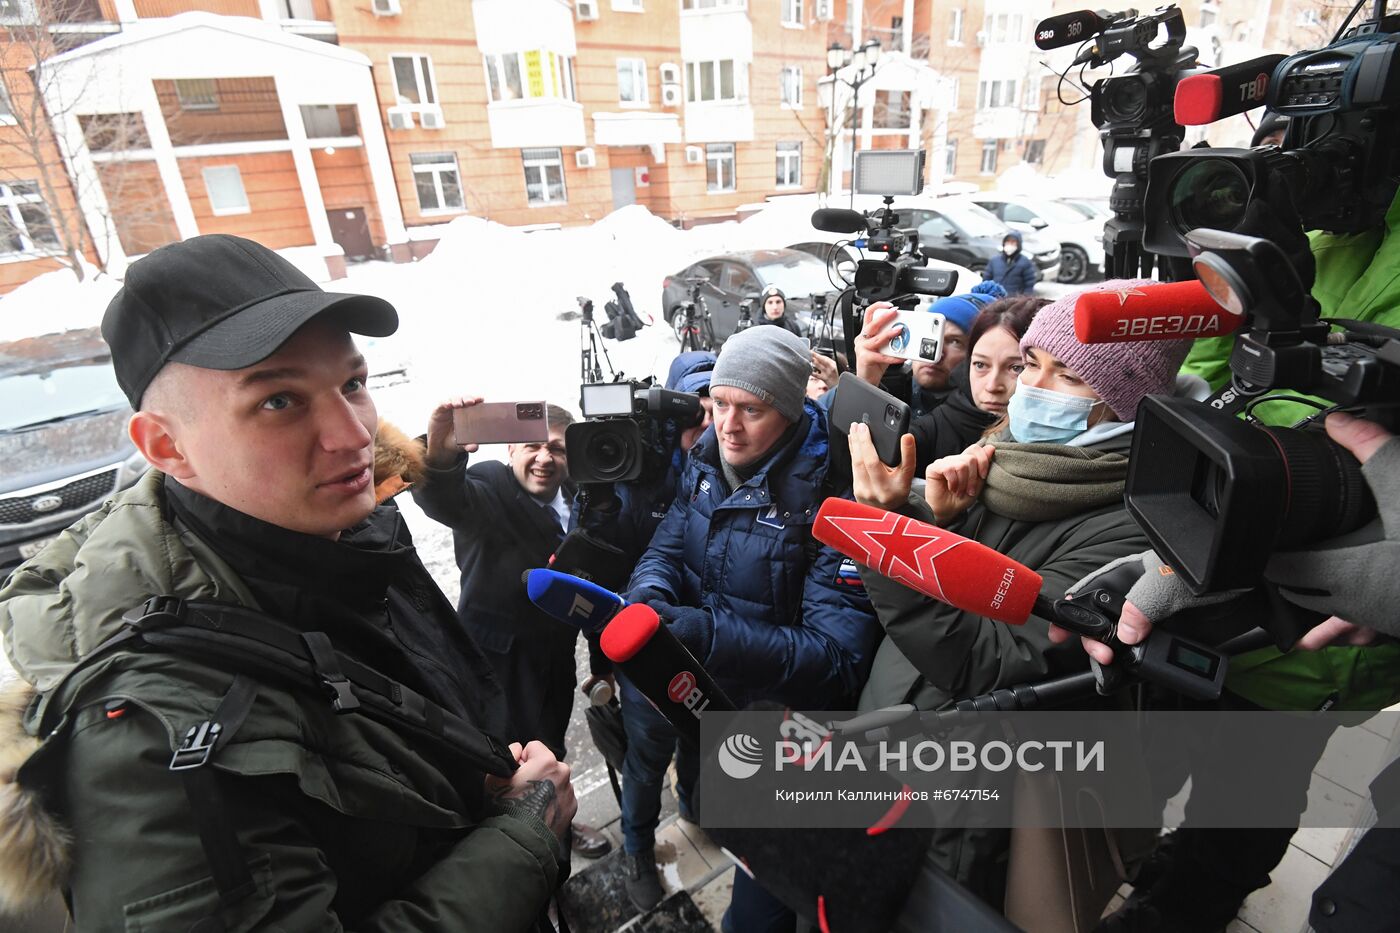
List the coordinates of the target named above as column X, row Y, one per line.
column 934, row 561
column 838, row 220
column 661, row 669
column 572, row 599
column 1056, row 32
column 1166, row 311
column 1223, row 92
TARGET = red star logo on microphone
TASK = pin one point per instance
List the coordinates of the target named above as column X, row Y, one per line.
column 862, row 533
column 1125, row 293
column 912, row 553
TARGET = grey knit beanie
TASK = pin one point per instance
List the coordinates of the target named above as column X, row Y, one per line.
column 771, row 362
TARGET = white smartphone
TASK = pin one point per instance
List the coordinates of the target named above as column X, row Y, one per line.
column 918, row 337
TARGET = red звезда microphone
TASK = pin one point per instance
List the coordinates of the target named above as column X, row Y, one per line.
column 1166, row 311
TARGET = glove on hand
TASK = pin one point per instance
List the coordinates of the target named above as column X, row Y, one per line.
column 1355, row 577
column 694, row 628
column 1150, row 585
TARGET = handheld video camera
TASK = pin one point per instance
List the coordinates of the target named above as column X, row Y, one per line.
column 620, row 439
column 1339, row 162
column 1217, row 495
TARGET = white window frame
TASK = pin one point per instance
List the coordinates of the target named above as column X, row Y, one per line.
column 993, row 148
column 789, row 165
column 25, row 14
column 792, row 14
column 956, row 92
column 229, row 208
column 628, row 6
column 1029, row 151
column 638, row 67
column 790, row 87
column 714, row 152
column 429, row 99
column 693, row 84
column 197, row 101
column 889, row 96
column 540, row 163
column 7, row 118
column 704, row 6
column 950, row 156
column 559, row 81
column 997, row 92
column 955, row 27
column 437, row 170
column 10, row 203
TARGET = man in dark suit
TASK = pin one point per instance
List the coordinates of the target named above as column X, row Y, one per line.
column 507, row 518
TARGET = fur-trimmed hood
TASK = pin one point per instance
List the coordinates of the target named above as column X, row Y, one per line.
column 399, row 461
column 33, row 845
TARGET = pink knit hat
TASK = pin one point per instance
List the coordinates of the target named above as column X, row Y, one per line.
column 1119, row 373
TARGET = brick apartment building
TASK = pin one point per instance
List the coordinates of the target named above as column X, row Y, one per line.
column 355, row 127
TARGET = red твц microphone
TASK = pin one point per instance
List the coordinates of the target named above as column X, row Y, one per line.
column 934, row 561
column 1223, row 92
column 1169, row 311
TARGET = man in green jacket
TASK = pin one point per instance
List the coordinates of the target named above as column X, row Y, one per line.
column 194, row 785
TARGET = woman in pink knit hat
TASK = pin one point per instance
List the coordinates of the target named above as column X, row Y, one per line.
column 1045, row 489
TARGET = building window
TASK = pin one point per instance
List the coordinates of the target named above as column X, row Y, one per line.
column 628, row 6
column 197, row 94
column 719, row 167
column 789, row 165
column 436, row 179
column 329, row 120
column 544, row 176
column 996, row 94
column 721, row 80
column 225, row 186
column 535, row 73
column 1035, row 151
column 13, row 12
column 897, row 33
column 791, row 89
column 950, row 167
column 955, row 27
column 989, row 157
column 297, row 9
column 25, row 226
column 892, row 110
column 632, row 81
column 7, row 110
column 956, row 94
column 413, row 79
column 792, row 12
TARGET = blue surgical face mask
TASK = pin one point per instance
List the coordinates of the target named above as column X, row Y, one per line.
column 1044, row 416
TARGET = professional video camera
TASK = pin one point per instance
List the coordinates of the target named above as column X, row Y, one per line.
column 1217, row 495
column 1340, row 160
column 903, row 275
column 621, row 439
column 1133, row 112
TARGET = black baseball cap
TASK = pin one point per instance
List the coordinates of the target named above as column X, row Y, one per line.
column 220, row 302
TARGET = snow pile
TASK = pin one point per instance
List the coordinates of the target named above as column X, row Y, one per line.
column 55, row 302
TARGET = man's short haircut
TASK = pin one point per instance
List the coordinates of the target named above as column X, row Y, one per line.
column 167, row 393
column 558, row 418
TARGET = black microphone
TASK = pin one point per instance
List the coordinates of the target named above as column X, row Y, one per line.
column 662, row 669
column 1055, row 32
column 838, row 220
column 1224, row 92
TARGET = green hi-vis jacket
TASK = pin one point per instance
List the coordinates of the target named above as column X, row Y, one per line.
column 1358, row 277
column 344, row 825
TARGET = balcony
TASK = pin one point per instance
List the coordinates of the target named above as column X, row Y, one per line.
column 719, row 122
column 508, row 25
column 543, row 121
column 711, row 34
column 637, row 128
column 1003, row 122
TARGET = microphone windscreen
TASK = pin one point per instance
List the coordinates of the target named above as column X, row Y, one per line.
column 838, row 220
column 934, row 561
column 1167, row 311
column 572, row 599
column 633, row 628
column 1055, row 32
column 1223, row 92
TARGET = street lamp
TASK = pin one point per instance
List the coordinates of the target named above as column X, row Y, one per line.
column 862, row 63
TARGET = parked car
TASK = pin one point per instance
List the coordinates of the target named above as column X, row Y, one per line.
column 732, row 277
column 959, row 231
column 1080, row 237
column 63, row 439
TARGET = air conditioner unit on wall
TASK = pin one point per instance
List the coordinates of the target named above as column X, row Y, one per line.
column 586, row 9
column 585, row 158
column 694, row 155
column 386, row 7
column 670, row 73
column 670, row 95
column 823, row 9
column 400, row 118
column 432, row 118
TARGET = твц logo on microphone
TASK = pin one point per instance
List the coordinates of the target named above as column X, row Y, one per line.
column 740, row 756
column 684, row 690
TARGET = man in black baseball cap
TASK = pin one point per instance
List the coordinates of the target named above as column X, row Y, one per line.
column 251, row 407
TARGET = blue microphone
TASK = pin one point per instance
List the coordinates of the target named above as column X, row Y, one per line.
column 572, row 599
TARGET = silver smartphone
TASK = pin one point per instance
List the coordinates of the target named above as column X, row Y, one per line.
column 501, row 423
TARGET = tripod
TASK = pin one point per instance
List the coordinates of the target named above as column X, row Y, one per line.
column 692, row 321
column 591, row 346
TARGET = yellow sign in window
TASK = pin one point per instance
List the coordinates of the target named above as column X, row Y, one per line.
column 534, row 73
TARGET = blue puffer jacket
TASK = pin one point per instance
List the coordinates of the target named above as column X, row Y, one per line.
column 783, row 631
column 1014, row 273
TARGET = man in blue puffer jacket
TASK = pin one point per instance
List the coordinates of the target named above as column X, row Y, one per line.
column 732, row 568
column 1013, row 269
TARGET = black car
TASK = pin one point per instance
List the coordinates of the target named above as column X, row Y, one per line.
column 63, row 439
column 732, row 278
column 968, row 235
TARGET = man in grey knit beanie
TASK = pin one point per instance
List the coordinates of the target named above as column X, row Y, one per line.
column 770, row 362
